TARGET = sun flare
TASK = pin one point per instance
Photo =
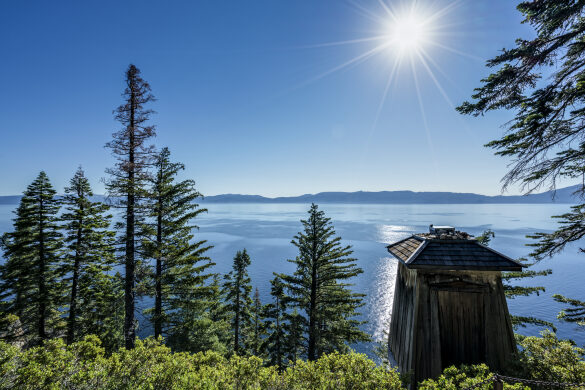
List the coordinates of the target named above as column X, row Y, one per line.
column 407, row 33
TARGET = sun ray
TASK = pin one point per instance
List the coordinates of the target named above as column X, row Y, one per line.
column 367, row 13
column 347, row 42
column 354, row 61
column 385, row 93
column 461, row 53
column 432, row 75
column 424, row 118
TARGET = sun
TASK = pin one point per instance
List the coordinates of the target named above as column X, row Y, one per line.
column 407, row 33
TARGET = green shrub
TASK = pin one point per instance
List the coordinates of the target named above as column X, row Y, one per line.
column 152, row 365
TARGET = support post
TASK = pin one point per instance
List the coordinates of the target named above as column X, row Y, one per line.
column 498, row 384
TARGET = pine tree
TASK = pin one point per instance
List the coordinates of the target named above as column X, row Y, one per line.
column 127, row 183
column 512, row 291
column 237, row 289
column 31, row 285
column 258, row 331
column 546, row 137
column 181, row 291
column 319, row 287
column 275, row 313
column 89, row 256
column 294, row 330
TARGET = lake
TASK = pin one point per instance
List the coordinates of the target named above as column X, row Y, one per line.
column 266, row 230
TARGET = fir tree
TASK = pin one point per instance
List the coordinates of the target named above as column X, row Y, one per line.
column 88, row 260
column 127, row 182
column 30, row 279
column 181, row 292
column 275, row 313
column 237, row 291
column 319, row 287
column 546, row 137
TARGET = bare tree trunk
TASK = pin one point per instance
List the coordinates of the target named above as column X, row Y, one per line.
column 129, row 326
column 73, row 302
column 41, row 277
column 158, row 287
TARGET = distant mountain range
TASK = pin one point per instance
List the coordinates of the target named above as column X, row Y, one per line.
column 561, row 195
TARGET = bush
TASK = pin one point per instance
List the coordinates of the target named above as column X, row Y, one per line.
column 152, row 365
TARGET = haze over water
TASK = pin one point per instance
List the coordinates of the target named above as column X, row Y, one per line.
column 266, row 230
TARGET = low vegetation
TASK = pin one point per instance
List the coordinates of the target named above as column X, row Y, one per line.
column 152, row 365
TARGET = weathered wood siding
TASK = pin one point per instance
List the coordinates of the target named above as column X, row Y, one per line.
column 440, row 318
column 402, row 320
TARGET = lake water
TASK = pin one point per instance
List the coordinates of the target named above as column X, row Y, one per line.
column 266, row 230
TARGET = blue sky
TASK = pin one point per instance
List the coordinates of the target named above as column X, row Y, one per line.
column 241, row 100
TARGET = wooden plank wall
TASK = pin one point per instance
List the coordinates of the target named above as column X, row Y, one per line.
column 402, row 320
column 444, row 317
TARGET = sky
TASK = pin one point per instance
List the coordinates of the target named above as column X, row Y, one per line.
column 277, row 98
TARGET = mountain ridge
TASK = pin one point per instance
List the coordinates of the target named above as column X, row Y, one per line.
column 561, row 195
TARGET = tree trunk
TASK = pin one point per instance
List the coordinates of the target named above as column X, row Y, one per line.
column 278, row 341
column 313, row 300
column 129, row 328
column 41, row 276
column 73, row 302
column 237, row 320
column 158, row 287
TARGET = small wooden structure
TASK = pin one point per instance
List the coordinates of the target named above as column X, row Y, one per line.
column 449, row 304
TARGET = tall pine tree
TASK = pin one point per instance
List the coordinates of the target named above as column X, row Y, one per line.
column 258, row 331
column 128, row 180
column 319, row 287
column 89, row 256
column 275, row 313
column 31, row 287
column 237, row 289
column 180, row 279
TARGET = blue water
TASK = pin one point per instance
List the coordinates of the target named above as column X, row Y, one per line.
column 266, row 230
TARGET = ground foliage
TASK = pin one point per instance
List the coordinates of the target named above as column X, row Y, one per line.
column 152, row 365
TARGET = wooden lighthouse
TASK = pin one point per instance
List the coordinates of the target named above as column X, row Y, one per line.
column 449, row 304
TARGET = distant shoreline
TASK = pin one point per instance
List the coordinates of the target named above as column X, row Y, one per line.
column 561, row 196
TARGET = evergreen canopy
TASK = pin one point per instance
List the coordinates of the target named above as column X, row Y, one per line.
column 319, row 288
column 31, row 288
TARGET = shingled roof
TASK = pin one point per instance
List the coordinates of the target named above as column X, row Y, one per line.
column 426, row 251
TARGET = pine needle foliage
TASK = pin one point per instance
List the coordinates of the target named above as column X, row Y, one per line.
column 575, row 312
column 319, row 287
column 128, row 180
column 238, row 302
column 258, row 329
column 89, row 256
column 512, row 290
column 179, row 281
column 274, row 313
column 546, row 137
column 31, row 290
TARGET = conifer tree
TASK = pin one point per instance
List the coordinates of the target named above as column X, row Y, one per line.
column 275, row 313
column 128, row 180
column 512, row 291
column 258, row 330
column 319, row 288
column 294, row 331
column 237, row 289
column 180, row 279
column 89, row 256
column 546, row 137
column 31, row 287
